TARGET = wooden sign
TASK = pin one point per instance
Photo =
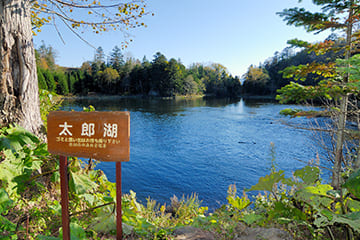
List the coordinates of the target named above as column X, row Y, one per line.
column 103, row 136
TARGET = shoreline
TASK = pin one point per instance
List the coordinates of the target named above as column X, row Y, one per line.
column 179, row 97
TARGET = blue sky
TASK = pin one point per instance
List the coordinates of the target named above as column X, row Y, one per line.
column 234, row 33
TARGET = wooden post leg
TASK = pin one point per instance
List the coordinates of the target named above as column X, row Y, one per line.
column 64, row 197
column 118, row 202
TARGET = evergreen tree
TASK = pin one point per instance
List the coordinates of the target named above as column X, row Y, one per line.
column 62, row 84
column 99, row 58
column 41, row 79
column 49, row 78
column 116, row 59
column 71, row 79
column 337, row 15
column 158, row 75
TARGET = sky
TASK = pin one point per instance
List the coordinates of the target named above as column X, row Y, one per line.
column 234, row 33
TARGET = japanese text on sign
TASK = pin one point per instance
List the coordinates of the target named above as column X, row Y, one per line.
column 100, row 135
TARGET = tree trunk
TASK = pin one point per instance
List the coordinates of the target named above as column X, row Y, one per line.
column 341, row 121
column 356, row 165
column 19, row 99
column 340, row 138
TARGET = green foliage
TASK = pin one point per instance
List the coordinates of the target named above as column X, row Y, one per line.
column 5, row 204
column 29, row 179
column 41, row 79
column 62, row 84
column 76, row 232
column 298, row 43
column 23, row 159
column 330, row 67
column 90, row 108
column 256, row 81
column 328, row 207
column 48, row 102
column 50, row 76
column 269, row 182
column 288, row 66
column 160, row 77
column 304, row 200
column 300, row 202
column 308, row 175
column 14, row 138
column 80, row 183
column 350, row 67
column 105, row 223
column 50, row 81
column 72, row 80
column 315, row 22
column 302, row 113
column 352, row 184
column 289, row 112
column 116, row 59
column 235, row 201
column 5, row 201
column 294, row 92
column 339, row 76
column 29, row 184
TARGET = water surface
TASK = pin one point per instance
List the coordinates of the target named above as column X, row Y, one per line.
column 180, row 147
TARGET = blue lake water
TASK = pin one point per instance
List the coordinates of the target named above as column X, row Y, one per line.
column 180, row 147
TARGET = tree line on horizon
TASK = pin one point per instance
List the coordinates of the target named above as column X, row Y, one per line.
column 115, row 75
column 164, row 77
column 276, row 72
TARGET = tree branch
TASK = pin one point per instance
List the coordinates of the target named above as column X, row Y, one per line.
column 91, row 209
column 78, row 35
column 92, row 6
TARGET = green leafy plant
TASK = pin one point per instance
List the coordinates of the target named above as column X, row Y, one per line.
column 30, row 201
column 90, row 108
column 304, row 200
column 49, row 101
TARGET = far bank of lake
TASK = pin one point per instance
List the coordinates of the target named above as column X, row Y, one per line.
column 202, row 145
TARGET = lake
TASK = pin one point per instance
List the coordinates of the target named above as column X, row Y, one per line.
column 180, row 147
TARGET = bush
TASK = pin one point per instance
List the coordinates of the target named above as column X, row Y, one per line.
column 62, row 84
column 41, row 79
column 50, row 82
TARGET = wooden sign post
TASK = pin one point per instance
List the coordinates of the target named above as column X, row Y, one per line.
column 104, row 136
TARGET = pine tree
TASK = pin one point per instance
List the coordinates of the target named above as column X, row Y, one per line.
column 336, row 15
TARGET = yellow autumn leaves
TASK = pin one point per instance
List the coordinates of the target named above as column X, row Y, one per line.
column 95, row 14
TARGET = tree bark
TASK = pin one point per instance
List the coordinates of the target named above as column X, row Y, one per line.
column 340, row 138
column 341, row 121
column 19, row 98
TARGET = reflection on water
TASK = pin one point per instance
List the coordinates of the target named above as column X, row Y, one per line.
column 159, row 106
column 202, row 145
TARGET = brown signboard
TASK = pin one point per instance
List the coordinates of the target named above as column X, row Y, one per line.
column 104, row 136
